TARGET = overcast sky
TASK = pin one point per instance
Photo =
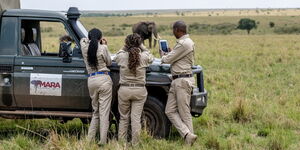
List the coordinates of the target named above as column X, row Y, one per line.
column 156, row 4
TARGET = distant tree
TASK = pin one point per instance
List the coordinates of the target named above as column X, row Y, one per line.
column 271, row 24
column 247, row 24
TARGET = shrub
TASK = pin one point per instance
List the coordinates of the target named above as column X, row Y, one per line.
column 223, row 28
column 271, row 24
column 288, row 30
column 47, row 29
column 263, row 132
column 125, row 25
column 114, row 32
column 162, row 28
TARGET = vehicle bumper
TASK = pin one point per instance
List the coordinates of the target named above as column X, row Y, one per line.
column 198, row 102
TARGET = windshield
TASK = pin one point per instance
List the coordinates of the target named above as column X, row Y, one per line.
column 82, row 28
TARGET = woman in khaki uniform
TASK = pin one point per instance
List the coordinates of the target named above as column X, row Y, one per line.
column 97, row 58
column 133, row 60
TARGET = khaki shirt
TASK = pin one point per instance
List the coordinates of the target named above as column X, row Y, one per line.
column 103, row 56
column 126, row 77
column 181, row 57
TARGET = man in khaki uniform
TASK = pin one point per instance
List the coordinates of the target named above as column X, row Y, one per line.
column 99, row 85
column 181, row 59
column 132, row 93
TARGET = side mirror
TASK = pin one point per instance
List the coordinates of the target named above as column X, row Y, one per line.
column 65, row 51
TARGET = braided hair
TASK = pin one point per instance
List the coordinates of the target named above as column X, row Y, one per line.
column 132, row 46
column 94, row 36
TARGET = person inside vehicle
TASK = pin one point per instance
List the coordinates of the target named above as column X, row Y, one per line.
column 65, row 40
column 133, row 59
column 97, row 59
column 181, row 59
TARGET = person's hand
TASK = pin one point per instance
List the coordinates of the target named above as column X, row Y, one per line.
column 169, row 49
column 103, row 41
column 162, row 53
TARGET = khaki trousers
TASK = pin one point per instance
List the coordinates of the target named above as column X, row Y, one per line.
column 100, row 89
column 131, row 103
column 178, row 105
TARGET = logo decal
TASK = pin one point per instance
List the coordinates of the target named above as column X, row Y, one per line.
column 45, row 84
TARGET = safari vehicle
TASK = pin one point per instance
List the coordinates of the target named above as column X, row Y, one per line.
column 36, row 81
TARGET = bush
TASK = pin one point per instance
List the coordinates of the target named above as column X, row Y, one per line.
column 46, row 29
column 223, row 28
column 114, row 32
column 162, row 28
column 263, row 132
column 288, row 30
column 271, row 24
column 125, row 25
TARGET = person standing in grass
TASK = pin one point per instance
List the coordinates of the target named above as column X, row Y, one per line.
column 181, row 59
column 97, row 59
column 133, row 60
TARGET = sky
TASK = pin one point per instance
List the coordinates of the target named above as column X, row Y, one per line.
column 156, row 4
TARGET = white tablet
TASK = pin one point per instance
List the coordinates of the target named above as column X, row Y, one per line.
column 163, row 45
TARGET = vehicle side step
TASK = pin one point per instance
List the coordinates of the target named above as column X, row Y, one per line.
column 47, row 113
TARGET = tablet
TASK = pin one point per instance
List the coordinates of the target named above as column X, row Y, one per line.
column 163, row 45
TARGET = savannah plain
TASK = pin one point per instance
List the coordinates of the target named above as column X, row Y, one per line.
column 253, row 83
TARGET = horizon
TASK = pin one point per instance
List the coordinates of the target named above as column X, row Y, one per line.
column 120, row 5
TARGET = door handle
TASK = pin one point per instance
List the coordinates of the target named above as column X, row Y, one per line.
column 27, row 68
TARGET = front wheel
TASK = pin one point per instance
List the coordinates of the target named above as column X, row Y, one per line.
column 154, row 119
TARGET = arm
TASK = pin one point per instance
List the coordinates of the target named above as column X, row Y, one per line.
column 83, row 42
column 117, row 57
column 107, row 57
column 177, row 53
column 148, row 58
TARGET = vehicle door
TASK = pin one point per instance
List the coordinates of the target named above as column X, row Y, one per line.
column 42, row 79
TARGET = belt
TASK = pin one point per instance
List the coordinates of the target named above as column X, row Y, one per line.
column 96, row 73
column 182, row 76
column 133, row 85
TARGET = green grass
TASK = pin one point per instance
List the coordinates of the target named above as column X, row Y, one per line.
column 253, row 85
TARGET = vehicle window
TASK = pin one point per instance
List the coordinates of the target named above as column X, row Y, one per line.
column 43, row 38
column 52, row 35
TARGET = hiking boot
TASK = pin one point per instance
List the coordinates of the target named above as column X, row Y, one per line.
column 190, row 139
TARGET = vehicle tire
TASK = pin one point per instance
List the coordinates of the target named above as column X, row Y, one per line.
column 154, row 118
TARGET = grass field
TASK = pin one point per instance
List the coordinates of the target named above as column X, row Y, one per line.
column 252, row 81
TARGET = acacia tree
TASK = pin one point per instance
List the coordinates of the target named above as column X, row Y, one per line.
column 247, row 24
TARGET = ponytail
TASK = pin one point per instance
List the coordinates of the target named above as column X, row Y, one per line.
column 132, row 46
column 94, row 36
